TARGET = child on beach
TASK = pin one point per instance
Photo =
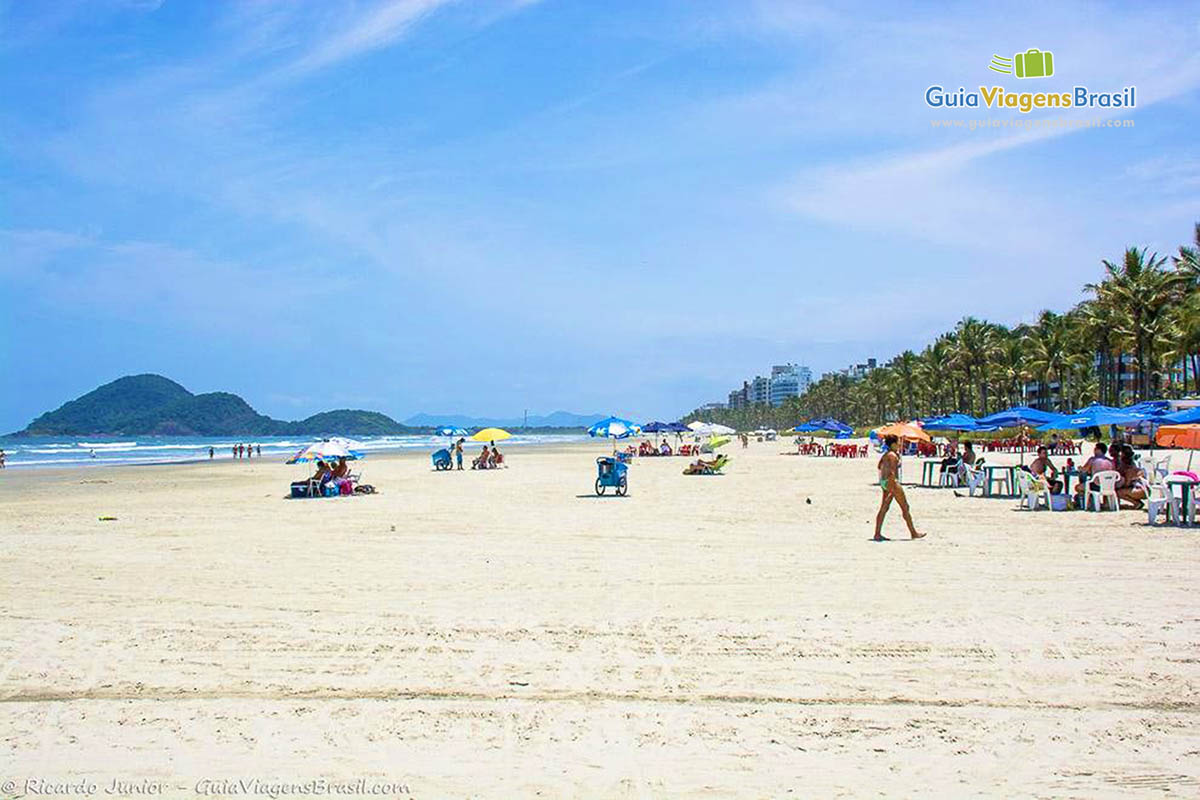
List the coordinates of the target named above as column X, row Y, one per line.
column 889, row 482
column 458, row 448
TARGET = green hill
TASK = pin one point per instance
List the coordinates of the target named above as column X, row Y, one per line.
column 349, row 421
column 151, row 405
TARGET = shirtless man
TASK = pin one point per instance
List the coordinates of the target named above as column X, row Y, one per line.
column 1042, row 467
column 889, row 482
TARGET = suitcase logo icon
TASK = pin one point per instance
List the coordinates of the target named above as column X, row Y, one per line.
column 1033, row 63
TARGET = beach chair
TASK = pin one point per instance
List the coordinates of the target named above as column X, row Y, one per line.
column 707, row 469
column 1162, row 468
column 949, row 477
column 1105, row 490
column 1033, row 492
column 973, row 478
column 1159, row 499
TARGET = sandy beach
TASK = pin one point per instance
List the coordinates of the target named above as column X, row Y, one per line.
column 508, row 634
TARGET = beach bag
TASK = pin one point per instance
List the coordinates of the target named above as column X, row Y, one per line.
column 330, row 490
column 347, row 487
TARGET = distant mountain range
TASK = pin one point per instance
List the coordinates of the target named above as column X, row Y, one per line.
column 559, row 419
column 151, row 405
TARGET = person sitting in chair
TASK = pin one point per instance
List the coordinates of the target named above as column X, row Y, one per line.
column 1129, row 488
column 664, row 449
column 1043, row 469
column 322, row 476
column 481, row 462
column 951, row 459
column 495, row 459
column 1099, row 462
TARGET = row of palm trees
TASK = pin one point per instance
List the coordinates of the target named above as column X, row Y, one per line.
column 1135, row 337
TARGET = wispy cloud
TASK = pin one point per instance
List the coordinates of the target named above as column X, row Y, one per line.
column 376, row 29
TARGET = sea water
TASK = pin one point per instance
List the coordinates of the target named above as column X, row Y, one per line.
column 89, row 451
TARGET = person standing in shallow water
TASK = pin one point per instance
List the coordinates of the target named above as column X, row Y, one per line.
column 889, row 482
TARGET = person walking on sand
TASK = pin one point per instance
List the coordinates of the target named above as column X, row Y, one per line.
column 458, row 447
column 211, row 453
column 889, row 482
column 258, row 451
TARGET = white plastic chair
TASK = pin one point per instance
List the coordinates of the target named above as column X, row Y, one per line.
column 1162, row 467
column 1105, row 490
column 1159, row 499
column 1032, row 492
column 974, row 478
column 950, row 475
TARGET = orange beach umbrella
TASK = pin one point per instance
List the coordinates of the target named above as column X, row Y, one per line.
column 905, row 430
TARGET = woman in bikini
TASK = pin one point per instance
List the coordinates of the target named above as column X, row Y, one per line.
column 889, row 482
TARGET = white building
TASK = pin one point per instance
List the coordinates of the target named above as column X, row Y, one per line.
column 788, row 380
column 760, row 391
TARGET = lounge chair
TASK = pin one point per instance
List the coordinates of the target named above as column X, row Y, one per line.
column 713, row 467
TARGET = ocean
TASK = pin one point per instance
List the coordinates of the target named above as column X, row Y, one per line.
column 96, row 451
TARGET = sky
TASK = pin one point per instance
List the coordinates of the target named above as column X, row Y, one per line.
column 486, row 207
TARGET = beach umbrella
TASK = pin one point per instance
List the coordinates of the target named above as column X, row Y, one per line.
column 1092, row 408
column 613, row 428
column 951, row 422
column 824, row 424
column 657, row 427
column 450, row 430
column 1180, row 436
column 718, row 441
column 721, row 430
column 328, row 450
column 491, row 435
column 1184, row 417
column 905, row 430
column 1094, row 416
column 1016, row 417
column 700, row 428
column 1154, row 408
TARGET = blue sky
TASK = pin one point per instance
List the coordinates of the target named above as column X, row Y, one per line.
column 601, row 207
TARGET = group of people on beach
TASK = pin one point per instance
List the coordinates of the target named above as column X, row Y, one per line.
column 248, row 449
column 487, row 459
column 1118, row 458
column 336, row 473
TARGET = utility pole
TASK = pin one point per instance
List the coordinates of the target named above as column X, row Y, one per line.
column 526, row 425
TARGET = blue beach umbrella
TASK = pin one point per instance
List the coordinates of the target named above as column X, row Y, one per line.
column 1185, row 417
column 1151, row 408
column 824, row 424
column 1016, row 417
column 1096, row 416
column 952, row 422
column 450, row 430
column 613, row 428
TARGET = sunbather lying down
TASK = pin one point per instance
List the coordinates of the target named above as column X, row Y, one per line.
column 702, row 467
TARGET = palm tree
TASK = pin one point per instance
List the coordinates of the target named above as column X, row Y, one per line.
column 974, row 347
column 1138, row 292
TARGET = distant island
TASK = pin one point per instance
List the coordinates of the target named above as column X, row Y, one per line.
column 152, row 405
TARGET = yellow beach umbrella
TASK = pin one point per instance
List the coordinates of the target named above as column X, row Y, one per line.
column 492, row 435
column 718, row 441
